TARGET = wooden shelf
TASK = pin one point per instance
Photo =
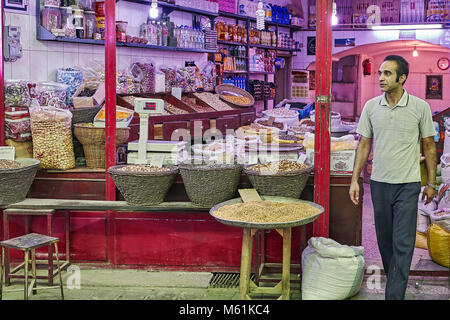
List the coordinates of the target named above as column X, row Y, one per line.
column 169, row 7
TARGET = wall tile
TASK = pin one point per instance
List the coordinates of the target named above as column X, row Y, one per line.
column 21, row 68
column 7, row 70
column 70, row 47
column 85, row 48
column 34, row 43
column 70, row 59
column 55, row 60
column 38, row 65
column 54, row 46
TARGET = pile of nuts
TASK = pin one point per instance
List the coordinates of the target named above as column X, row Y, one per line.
column 52, row 139
column 290, row 138
column 281, row 112
column 278, row 167
column 237, row 100
column 10, row 164
column 213, row 100
column 264, row 122
column 143, row 168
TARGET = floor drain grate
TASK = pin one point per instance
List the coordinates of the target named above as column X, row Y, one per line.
column 226, row 280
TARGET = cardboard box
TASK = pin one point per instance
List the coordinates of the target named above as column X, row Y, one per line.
column 88, row 102
column 341, row 162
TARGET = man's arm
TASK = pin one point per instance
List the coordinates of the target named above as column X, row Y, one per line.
column 362, row 153
column 429, row 150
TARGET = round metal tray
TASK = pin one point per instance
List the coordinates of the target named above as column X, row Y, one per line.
column 269, row 225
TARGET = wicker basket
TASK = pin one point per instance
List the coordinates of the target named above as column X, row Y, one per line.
column 84, row 115
column 286, row 184
column 93, row 141
column 143, row 188
column 15, row 183
column 208, row 185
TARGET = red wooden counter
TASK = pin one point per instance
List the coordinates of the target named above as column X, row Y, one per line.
column 174, row 235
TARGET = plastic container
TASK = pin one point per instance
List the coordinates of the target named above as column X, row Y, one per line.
column 90, row 22
column 16, row 93
column 100, row 8
column 445, row 168
column 69, row 27
column 52, row 94
column 51, row 17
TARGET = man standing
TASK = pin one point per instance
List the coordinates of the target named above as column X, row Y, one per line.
column 395, row 121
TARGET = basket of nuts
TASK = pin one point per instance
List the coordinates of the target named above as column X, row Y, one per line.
column 16, row 178
column 235, row 96
column 280, row 178
column 93, row 141
column 143, row 184
column 210, row 184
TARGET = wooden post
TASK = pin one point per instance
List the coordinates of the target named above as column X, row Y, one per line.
column 322, row 115
column 286, row 275
column 246, row 263
column 110, row 98
column 25, row 292
column 2, row 80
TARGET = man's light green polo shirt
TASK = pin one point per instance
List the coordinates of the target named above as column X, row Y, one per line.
column 395, row 133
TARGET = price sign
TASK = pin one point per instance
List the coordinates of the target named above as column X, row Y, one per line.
column 7, row 153
column 157, row 160
column 249, row 195
column 252, row 158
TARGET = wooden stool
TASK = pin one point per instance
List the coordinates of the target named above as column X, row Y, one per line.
column 27, row 243
column 246, row 285
column 27, row 213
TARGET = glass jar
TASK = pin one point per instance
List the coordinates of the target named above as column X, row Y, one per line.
column 51, row 18
column 91, row 24
column 69, row 28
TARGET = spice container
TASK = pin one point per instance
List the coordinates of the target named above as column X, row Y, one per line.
column 101, row 23
column 16, row 93
column 100, row 8
column 121, row 31
column 51, row 17
column 78, row 18
column 90, row 22
column 51, row 94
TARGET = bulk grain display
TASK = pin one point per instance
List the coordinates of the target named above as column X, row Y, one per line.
column 52, row 137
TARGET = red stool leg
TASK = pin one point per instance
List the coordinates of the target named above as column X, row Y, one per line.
column 50, row 251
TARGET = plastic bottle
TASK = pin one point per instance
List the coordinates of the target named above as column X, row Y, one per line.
column 164, row 34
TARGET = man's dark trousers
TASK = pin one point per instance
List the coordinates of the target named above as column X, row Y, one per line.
column 395, row 212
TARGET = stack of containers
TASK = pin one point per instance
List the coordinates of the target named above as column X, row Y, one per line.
column 17, row 118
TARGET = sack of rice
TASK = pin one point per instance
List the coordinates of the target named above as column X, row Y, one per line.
column 331, row 271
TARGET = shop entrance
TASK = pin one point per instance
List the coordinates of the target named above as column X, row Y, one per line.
column 282, row 81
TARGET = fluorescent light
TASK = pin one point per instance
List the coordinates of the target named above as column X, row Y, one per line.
column 415, row 53
column 334, row 18
column 154, row 9
column 408, row 26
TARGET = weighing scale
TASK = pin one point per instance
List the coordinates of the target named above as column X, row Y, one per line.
column 144, row 107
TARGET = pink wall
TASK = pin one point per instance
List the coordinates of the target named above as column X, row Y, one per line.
column 421, row 66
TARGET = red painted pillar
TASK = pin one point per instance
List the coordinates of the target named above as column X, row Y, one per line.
column 2, row 80
column 110, row 100
column 322, row 115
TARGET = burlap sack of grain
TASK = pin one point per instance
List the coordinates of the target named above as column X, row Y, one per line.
column 439, row 242
column 52, row 137
column 331, row 271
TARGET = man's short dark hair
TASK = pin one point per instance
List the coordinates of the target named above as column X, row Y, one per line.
column 402, row 66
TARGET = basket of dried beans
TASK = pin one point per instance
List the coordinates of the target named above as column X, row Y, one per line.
column 16, row 178
column 143, row 184
column 280, row 178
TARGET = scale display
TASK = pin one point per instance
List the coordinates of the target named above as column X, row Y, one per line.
column 147, row 105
